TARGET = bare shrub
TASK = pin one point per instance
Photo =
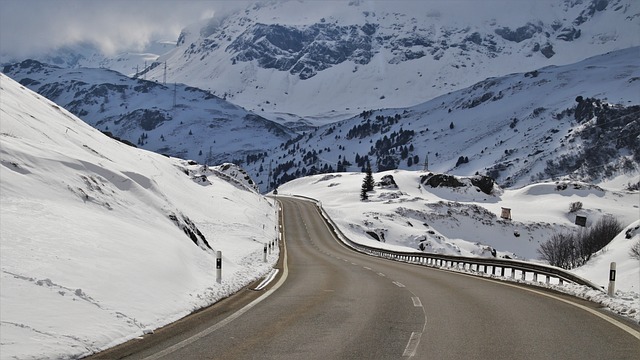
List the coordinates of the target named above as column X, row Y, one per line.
column 635, row 251
column 568, row 250
column 598, row 236
column 575, row 206
column 558, row 250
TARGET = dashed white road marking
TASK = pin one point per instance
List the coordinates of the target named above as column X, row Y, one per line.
column 366, row 267
column 412, row 345
column 399, row 284
column 416, row 301
column 381, row 274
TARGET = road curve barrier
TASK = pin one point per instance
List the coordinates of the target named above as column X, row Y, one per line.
column 506, row 268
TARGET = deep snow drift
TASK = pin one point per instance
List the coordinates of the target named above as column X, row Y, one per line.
column 96, row 236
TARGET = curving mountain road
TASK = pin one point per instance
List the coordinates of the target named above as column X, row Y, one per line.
column 339, row 304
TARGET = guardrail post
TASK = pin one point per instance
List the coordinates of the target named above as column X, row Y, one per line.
column 513, row 273
column 611, row 291
column 524, row 275
column 502, row 271
column 548, row 279
column 219, row 266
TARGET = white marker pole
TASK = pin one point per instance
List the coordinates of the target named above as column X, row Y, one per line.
column 612, row 280
column 265, row 252
column 219, row 266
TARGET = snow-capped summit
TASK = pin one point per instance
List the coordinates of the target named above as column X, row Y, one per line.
column 293, row 57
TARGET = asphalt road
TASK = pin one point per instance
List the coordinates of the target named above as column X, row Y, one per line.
column 339, row 304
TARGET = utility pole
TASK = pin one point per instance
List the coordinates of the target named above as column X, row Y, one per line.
column 426, row 163
column 175, row 89
column 269, row 177
column 164, row 78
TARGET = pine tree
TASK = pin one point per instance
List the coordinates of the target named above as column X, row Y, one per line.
column 367, row 184
column 363, row 192
column 368, row 179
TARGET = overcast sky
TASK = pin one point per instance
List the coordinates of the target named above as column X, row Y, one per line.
column 31, row 26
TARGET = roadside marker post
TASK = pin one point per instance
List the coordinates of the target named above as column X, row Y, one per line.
column 265, row 252
column 219, row 266
column 612, row 280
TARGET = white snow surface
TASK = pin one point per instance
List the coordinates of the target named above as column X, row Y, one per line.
column 89, row 256
column 466, row 222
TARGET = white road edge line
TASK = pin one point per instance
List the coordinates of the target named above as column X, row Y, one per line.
column 412, row 345
column 267, row 280
column 613, row 321
column 230, row 318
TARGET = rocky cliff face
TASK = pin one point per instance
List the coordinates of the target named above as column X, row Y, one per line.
column 276, row 56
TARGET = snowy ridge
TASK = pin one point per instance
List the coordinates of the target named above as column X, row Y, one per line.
column 171, row 119
column 518, row 129
column 110, row 241
column 277, row 55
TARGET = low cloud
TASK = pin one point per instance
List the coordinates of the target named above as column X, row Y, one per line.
column 30, row 27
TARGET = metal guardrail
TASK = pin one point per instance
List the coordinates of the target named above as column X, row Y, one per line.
column 516, row 270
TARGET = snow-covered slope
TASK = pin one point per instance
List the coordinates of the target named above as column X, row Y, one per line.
column 100, row 241
column 518, row 128
column 293, row 58
column 171, row 119
column 580, row 120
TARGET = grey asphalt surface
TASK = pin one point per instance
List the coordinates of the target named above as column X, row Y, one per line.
column 339, row 304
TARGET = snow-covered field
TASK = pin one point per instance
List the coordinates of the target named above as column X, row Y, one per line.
column 90, row 248
column 467, row 222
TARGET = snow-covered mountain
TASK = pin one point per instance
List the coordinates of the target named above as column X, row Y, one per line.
column 101, row 242
column 322, row 59
column 580, row 120
column 172, row 119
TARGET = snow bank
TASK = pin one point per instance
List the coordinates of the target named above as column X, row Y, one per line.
column 100, row 242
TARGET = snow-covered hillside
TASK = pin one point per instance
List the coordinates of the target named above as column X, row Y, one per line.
column 518, row 128
column 580, row 120
column 170, row 119
column 330, row 58
column 466, row 221
column 100, row 242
